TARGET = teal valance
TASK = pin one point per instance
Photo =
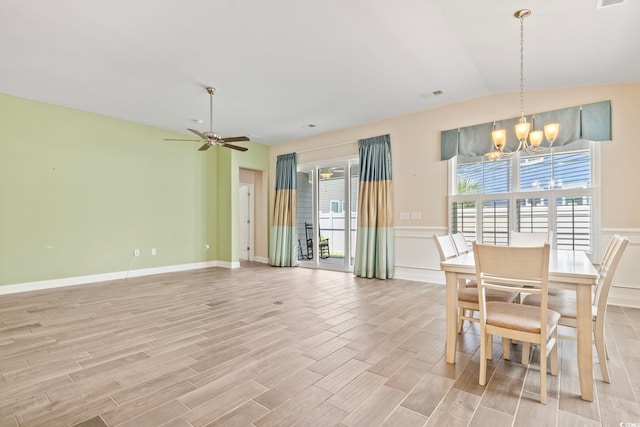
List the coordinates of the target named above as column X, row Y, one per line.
column 590, row 121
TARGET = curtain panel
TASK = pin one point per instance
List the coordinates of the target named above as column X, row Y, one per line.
column 375, row 241
column 590, row 121
column 284, row 235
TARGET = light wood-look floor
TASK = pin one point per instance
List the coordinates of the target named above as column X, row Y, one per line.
column 270, row 346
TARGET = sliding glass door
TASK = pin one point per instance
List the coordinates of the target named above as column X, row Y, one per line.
column 327, row 216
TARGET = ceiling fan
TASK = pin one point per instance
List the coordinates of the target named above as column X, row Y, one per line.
column 209, row 138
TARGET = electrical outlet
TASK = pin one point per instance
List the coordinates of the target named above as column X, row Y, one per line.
column 136, row 252
column 153, row 251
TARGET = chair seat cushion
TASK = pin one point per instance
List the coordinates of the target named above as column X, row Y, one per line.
column 471, row 284
column 471, row 295
column 560, row 303
column 525, row 318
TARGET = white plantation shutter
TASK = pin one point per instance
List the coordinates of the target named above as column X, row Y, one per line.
column 538, row 193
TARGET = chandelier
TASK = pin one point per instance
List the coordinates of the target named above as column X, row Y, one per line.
column 523, row 128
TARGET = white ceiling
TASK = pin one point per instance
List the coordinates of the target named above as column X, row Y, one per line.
column 278, row 65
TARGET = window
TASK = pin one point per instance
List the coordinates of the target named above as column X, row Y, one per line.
column 495, row 221
column 536, row 193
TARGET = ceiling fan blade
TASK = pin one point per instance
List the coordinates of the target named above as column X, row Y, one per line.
column 234, row 147
column 205, row 147
column 236, row 139
column 167, row 139
column 200, row 134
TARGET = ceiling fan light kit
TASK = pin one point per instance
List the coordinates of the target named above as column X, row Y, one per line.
column 209, row 138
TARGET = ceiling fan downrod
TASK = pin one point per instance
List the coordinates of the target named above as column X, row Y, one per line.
column 212, row 92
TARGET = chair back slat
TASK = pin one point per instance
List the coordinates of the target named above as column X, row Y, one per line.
column 460, row 243
column 446, row 247
column 607, row 270
column 615, row 241
column 604, row 265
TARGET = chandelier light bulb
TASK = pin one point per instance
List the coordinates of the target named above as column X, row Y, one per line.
column 551, row 132
column 522, row 129
column 535, row 138
column 499, row 138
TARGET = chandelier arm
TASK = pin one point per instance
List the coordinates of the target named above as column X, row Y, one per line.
column 520, row 144
column 513, row 153
column 537, row 150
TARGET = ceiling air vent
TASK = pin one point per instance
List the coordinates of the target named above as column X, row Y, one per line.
column 606, row 3
column 427, row 95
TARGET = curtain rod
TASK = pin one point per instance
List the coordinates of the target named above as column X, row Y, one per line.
column 326, row 146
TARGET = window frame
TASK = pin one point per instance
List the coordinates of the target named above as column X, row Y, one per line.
column 551, row 195
column 337, row 204
column 349, row 163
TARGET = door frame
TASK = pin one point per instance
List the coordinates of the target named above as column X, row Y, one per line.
column 313, row 168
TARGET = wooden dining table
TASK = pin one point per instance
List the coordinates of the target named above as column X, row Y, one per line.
column 567, row 270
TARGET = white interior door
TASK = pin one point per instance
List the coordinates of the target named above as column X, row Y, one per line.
column 245, row 222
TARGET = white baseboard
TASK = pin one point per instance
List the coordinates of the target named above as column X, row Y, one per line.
column 226, row 264
column 419, row 275
column 624, row 295
column 94, row 278
column 261, row 259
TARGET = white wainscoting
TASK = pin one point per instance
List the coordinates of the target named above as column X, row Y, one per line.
column 417, row 259
column 416, row 254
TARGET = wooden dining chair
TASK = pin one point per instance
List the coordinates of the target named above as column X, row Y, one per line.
column 509, row 269
column 467, row 296
column 566, row 305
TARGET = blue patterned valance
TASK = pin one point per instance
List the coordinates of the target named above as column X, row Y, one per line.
column 590, row 121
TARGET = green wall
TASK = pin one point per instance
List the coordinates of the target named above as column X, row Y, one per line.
column 79, row 192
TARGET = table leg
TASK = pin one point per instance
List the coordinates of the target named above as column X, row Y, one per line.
column 585, row 341
column 452, row 316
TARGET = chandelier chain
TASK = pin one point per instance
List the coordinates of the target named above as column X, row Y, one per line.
column 521, row 66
